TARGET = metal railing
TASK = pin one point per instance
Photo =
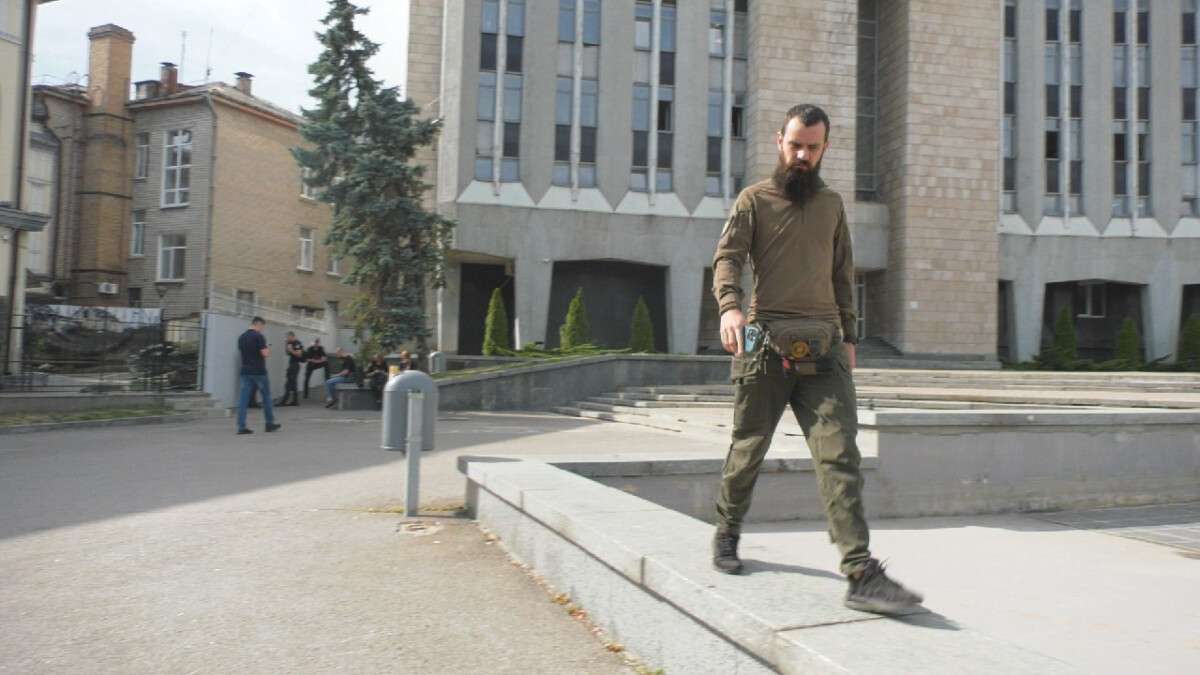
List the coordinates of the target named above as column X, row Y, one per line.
column 97, row 350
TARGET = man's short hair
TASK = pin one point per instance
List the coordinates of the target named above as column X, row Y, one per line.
column 259, row 320
column 809, row 115
column 291, row 333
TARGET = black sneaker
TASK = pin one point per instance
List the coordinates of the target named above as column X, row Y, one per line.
column 874, row 592
column 273, row 427
column 725, row 557
column 242, row 432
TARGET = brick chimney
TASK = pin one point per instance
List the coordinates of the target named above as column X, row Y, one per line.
column 110, row 58
column 170, row 78
column 244, row 82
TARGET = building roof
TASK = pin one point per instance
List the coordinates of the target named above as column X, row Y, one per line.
column 220, row 90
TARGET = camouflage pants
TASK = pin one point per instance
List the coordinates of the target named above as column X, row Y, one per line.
column 825, row 407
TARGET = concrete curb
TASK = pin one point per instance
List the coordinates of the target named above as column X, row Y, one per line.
column 657, row 560
column 98, row 424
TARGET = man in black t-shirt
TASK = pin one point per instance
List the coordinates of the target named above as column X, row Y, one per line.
column 346, row 374
column 254, row 351
column 315, row 360
column 295, row 352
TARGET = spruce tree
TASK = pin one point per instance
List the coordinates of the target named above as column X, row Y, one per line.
column 1065, row 349
column 362, row 138
column 495, row 327
column 576, row 331
column 641, row 332
column 1128, row 350
column 1189, row 344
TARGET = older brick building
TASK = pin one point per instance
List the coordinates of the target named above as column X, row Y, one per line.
column 599, row 145
column 191, row 200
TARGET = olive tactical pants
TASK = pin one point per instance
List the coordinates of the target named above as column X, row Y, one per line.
column 825, row 407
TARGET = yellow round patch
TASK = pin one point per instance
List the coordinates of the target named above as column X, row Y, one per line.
column 799, row 349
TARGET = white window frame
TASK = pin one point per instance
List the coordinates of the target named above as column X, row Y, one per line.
column 163, row 249
column 179, row 195
column 307, row 191
column 137, row 238
column 246, row 302
column 333, row 266
column 142, row 167
column 1095, row 298
column 306, row 249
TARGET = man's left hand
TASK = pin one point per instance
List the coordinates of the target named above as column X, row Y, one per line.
column 851, row 354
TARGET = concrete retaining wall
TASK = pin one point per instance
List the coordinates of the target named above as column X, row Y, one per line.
column 543, row 386
column 56, row 402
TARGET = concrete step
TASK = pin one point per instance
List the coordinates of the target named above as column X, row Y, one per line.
column 655, row 403
column 582, row 411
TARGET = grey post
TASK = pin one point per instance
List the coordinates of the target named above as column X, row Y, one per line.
column 412, row 455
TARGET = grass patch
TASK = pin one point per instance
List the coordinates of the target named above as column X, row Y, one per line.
column 22, row 419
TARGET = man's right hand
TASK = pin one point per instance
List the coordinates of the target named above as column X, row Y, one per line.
column 733, row 324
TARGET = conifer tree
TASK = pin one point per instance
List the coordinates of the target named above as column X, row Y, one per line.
column 1065, row 349
column 641, row 332
column 576, row 331
column 1128, row 345
column 495, row 327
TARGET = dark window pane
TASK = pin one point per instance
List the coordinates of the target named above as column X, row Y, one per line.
column 739, row 5
column 640, row 140
column 664, row 116
column 1144, row 179
column 1010, row 21
column 1119, row 106
column 1051, row 145
column 1143, row 151
column 587, row 144
column 1143, row 103
column 1052, row 107
column 665, row 147
column 666, row 68
column 1052, row 177
column 1143, row 28
column 1119, row 28
column 514, row 58
column 1076, row 25
column 1189, row 104
column 713, row 165
column 1119, row 176
column 737, row 127
column 1076, row 176
column 1076, row 101
column 1051, row 25
column 1010, row 98
column 1119, row 154
column 487, row 52
column 512, row 139
column 562, row 143
column 1189, row 28
column 1010, row 174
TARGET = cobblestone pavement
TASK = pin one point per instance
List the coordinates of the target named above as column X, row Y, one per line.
column 1176, row 525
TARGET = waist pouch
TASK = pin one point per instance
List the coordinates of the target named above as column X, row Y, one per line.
column 804, row 345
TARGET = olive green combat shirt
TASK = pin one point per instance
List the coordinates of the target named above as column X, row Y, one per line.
column 800, row 257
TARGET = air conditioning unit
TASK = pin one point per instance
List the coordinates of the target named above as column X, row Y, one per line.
column 108, row 288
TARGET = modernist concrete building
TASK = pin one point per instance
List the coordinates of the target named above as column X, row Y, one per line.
column 180, row 196
column 989, row 152
column 21, row 214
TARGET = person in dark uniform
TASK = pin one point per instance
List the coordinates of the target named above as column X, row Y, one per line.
column 254, row 350
column 295, row 352
column 315, row 359
column 348, row 373
column 376, row 376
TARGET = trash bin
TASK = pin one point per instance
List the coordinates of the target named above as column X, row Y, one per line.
column 395, row 409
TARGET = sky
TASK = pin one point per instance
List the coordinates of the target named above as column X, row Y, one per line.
column 271, row 39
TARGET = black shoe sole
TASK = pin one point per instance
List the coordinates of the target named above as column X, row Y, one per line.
column 735, row 571
column 884, row 607
column 244, row 432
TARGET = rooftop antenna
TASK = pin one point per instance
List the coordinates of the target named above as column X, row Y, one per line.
column 208, row 59
column 182, row 54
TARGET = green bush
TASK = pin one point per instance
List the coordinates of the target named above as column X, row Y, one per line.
column 1064, row 349
column 576, row 331
column 1189, row 344
column 641, row 334
column 495, row 327
column 1128, row 351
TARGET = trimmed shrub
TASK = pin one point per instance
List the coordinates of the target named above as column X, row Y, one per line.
column 576, row 331
column 1065, row 349
column 1128, row 350
column 641, row 334
column 495, row 327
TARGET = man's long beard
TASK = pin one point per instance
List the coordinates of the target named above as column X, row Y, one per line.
column 797, row 183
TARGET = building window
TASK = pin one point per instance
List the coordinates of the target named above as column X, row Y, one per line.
column 306, row 190
column 1090, row 300
column 641, row 143
column 306, row 249
column 245, row 302
column 868, row 96
column 659, row 119
column 142, row 168
column 137, row 239
column 1052, row 202
column 1190, row 205
column 1120, row 103
column 333, row 265
column 172, row 253
column 135, row 297
column 1074, row 70
column 1144, row 80
column 177, row 168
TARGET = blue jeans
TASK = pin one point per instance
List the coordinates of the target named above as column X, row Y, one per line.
column 249, row 384
column 331, row 384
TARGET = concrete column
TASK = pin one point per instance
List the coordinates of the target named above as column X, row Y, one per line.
column 1029, row 296
column 1166, row 113
column 532, row 298
column 447, row 309
column 614, row 140
column 1161, row 303
column 1097, row 113
column 685, row 293
column 1031, row 109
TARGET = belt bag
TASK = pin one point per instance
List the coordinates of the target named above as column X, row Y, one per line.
column 805, row 345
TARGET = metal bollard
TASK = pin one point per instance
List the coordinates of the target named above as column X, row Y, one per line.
column 412, row 458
